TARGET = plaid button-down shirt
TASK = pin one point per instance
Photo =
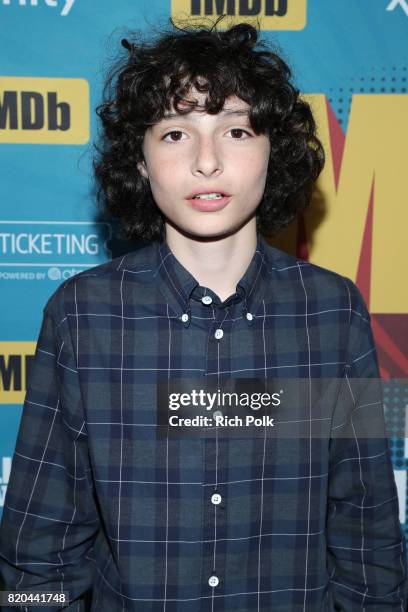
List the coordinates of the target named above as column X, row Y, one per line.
column 99, row 505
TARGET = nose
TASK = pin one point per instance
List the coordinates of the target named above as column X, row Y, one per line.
column 207, row 160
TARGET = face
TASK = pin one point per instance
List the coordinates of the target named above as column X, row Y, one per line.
column 207, row 172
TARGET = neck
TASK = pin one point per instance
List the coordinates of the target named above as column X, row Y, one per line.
column 219, row 263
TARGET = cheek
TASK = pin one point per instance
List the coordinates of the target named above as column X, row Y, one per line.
column 255, row 160
column 254, row 168
column 263, row 156
column 164, row 172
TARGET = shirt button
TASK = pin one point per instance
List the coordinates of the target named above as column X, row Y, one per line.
column 216, row 499
column 218, row 333
column 217, row 413
column 184, row 317
column 207, row 299
column 213, row 581
column 249, row 316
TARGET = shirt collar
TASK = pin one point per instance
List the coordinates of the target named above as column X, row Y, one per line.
column 179, row 287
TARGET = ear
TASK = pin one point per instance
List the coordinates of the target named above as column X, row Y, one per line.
column 141, row 166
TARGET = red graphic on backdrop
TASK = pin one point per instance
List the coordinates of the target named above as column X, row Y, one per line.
column 390, row 330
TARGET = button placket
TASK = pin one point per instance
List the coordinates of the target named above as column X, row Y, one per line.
column 218, row 334
column 216, row 499
column 214, row 521
column 185, row 317
column 213, row 581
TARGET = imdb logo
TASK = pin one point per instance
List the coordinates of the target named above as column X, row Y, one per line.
column 270, row 14
column 44, row 111
column 16, row 360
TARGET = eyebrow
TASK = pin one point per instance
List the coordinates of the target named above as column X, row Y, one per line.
column 223, row 113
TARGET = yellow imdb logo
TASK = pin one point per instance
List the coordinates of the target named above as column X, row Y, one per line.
column 271, row 14
column 44, row 111
column 16, row 359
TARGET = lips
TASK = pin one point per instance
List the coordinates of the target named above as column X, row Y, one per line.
column 209, row 205
column 203, row 192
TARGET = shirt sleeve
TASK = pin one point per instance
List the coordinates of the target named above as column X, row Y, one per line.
column 50, row 519
column 365, row 545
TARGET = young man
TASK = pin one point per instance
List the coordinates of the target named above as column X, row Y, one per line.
column 207, row 148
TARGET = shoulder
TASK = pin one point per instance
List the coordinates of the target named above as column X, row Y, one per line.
column 332, row 303
column 98, row 288
column 309, row 281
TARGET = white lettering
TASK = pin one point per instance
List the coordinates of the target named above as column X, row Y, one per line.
column 265, row 421
column 92, row 246
column 3, row 238
column 51, row 3
column 17, row 275
column 395, row 3
column 68, row 6
column 49, row 244
column 5, row 470
column 58, row 238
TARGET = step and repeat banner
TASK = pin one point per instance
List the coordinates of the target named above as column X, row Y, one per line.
column 349, row 59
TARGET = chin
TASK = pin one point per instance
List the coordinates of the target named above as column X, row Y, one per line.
column 210, row 232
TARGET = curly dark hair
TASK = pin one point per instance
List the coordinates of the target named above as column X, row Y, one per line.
column 160, row 73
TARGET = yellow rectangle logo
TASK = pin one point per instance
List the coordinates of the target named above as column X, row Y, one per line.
column 271, row 14
column 44, row 110
column 16, row 358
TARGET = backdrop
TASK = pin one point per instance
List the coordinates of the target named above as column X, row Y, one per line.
column 348, row 58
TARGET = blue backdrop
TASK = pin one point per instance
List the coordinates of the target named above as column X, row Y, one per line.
column 53, row 58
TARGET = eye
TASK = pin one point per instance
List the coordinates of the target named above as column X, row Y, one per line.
column 173, row 136
column 240, row 133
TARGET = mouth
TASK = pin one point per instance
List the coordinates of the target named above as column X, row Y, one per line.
column 210, row 201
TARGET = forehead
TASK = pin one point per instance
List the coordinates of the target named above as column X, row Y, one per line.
column 232, row 106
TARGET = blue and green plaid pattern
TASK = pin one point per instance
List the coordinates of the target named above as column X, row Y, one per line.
column 99, row 505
